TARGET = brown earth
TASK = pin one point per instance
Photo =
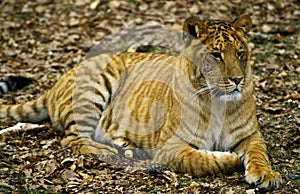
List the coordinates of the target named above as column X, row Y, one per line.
column 43, row 39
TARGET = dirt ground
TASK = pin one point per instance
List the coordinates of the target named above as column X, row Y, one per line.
column 42, row 39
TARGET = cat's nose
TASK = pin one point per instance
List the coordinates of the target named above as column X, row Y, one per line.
column 236, row 80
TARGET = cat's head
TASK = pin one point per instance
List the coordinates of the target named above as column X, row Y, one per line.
column 220, row 51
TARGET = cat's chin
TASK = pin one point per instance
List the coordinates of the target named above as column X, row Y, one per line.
column 233, row 96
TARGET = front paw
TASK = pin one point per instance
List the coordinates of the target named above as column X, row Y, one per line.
column 263, row 177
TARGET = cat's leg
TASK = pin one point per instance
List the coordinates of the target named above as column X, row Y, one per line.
column 85, row 145
column 182, row 157
column 258, row 170
column 80, row 122
column 82, row 110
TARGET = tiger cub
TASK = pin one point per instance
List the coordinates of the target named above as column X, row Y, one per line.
column 194, row 112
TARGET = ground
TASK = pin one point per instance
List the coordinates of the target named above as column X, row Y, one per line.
column 43, row 39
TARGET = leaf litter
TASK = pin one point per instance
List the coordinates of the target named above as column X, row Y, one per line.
column 43, row 39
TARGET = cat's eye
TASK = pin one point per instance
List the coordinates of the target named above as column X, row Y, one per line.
column 241, row 55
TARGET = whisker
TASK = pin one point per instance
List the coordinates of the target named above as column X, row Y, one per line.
column 222, row 83
column 217, row 92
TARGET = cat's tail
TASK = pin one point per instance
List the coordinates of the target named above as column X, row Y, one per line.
column 33, row 111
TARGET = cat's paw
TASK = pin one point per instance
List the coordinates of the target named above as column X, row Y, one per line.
column 263, row 177
column 88, row 146
column 124, row 143
column 101, row 150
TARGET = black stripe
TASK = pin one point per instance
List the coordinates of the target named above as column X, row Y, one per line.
column 107, row 84
column 193, row 146
column 85, row 109
column 109, row 70
column 85, row 131
column 97, row 92
column 107, row 121
column 20, row 111
column 242, row 125
column 99, row 107
column 35, row 107
column 91, row 103
column 70, row 110
column 8, row 112
column 248, row 161
column 190, row 166
column 77, row 138
column 85, row 124
column 70, row 124
column 92, row 117
column 218, row 166
column 68, row 114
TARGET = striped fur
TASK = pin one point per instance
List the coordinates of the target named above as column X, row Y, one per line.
column 194, row 112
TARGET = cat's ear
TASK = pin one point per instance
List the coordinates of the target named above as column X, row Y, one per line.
column 243, row 23
column 193, row 27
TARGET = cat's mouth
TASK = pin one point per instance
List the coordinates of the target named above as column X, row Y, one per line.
column 234, row 94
